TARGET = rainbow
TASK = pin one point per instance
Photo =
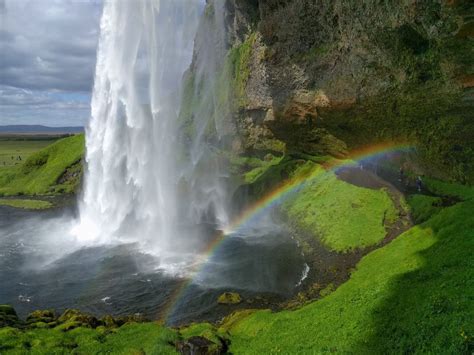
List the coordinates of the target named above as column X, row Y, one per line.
column 276, row 197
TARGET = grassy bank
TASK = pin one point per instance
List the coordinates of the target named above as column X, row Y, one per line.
column 54, row 169
column 26, row 204
column 14, row 151
column 149, row 338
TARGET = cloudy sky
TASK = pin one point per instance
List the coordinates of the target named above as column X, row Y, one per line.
column 47, row 60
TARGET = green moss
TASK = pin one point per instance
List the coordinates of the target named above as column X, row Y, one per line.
column 239, row 59
column 205, row 330
column 40, row 173
column 341, row 215
column 327, row 290
column 412, row 295
column 26, row 204
column 252, row 175
column 229, row 298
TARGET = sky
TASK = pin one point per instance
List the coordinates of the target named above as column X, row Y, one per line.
column 47, row 60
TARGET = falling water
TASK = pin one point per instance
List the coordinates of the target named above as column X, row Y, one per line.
column 130, row 191
column 156, row 179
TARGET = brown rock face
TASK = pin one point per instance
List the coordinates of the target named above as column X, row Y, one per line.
column 323, row 77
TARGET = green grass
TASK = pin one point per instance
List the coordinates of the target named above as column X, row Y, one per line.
column 149, row 338
column 443, row 188
column 251, row 168
column 26, row 204
column 341, row 215
column 423, row 207
column 415, row 295
column 39, row 174
column 11, row 149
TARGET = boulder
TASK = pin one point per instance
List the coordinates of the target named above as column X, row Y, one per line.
column 8, row 310
column 229, row 298
column 109, row 322
column 8, row 316
column 43, row 316
column 78, row 318
column 198, row 345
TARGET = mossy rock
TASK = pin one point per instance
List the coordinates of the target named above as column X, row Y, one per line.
column 110, row 322
column 70, row 325
column 73, row 316
column 199, row 345
column 43, row 316
column 42, row 325
column 8, row 316
column 7, row 310
column 229, row 298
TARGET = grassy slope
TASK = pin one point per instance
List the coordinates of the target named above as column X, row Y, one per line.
column 413, row 295
column 26, row 204
column 342, row 215
column 24, row 148
column 39, row 173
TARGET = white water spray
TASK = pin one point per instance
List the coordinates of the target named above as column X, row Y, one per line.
column 130, row 184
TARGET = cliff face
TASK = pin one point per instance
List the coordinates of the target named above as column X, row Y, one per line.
column 324, row 77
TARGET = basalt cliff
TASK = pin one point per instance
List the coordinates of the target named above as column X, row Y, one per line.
column 323, row 77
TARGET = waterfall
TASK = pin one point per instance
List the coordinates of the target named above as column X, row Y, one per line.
column 135, row 154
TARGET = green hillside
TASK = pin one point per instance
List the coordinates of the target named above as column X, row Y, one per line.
column 54, row 169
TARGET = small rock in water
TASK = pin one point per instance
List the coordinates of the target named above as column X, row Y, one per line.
column 229, row 298
column 106, row 300
column 23, row 298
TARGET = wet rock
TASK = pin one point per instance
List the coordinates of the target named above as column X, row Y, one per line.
column 135, row 318
column 229, row 298
column 7, row 310
column 198, row 345
column 43, row 316
column 109, row 322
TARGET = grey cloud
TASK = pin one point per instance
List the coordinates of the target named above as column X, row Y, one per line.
column 47, row 46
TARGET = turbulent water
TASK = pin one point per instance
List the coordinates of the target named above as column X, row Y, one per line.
column 40, row 269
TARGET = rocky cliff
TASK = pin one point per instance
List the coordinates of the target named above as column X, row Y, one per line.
column 324, row 77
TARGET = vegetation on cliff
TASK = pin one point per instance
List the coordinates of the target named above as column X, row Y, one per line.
column 317, row 71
